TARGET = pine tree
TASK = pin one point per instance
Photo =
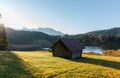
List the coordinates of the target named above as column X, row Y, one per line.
column 3, row 38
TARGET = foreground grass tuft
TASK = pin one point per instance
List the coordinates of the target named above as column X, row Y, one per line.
column 39, row 64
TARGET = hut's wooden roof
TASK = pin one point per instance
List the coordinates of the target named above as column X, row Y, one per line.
column 72, row 44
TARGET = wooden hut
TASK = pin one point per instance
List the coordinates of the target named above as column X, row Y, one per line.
column 67, row 48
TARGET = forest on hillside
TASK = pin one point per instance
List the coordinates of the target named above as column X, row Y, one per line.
column 103, row 41
column 110, row 32
column 106, row 39
column 28, row 40
column 33, row 40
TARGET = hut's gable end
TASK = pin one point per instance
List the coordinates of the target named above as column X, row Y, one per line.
column 60, row 50
column 76, row 55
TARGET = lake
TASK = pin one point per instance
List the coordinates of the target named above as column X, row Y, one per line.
column 86, row 49
column 93, row 49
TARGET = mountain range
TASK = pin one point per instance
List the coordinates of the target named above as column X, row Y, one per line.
column 35, row 39
column 48, row 31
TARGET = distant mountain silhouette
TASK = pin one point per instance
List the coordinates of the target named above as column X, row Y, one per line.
column 28, row 40
column 112, row 32
column 48, row 31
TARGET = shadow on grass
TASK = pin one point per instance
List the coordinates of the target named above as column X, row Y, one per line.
column 106, row 63
column 11, row 66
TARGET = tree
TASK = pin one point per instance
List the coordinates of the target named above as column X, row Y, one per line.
column 3, row 38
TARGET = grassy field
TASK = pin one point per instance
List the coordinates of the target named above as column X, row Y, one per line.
column 39, row 64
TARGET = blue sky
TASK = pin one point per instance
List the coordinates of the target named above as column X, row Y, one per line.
column 67, row 16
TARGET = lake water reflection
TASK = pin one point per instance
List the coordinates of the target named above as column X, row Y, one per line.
column 93, row 49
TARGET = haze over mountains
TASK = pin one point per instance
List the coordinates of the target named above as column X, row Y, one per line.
column 48, row 31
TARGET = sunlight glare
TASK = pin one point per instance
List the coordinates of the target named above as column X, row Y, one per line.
column 12, row 18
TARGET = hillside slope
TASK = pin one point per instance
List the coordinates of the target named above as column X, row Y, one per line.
column 28, row 40
column 112, row 32
column 107, row 39
column 38, row 64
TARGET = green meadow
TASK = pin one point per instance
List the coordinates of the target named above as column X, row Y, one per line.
column 41, row 64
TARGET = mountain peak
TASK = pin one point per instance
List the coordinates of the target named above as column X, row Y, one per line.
column 48, row 31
